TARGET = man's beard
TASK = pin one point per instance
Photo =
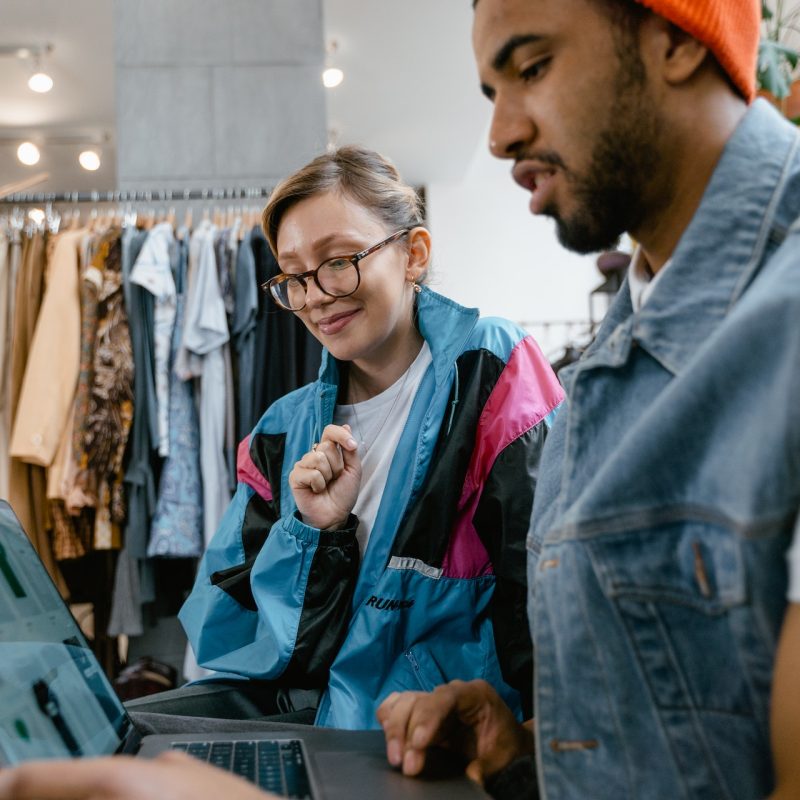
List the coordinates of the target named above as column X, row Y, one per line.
column 611, row 196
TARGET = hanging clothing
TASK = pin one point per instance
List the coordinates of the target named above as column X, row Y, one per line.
column 51, row 371
column 27, row 490
column 143, row 460
column 225, row 252
column 82, row 490
column 153, row 272
column 177, row 529
column 111, row 408
column 244, row 333
column 204, row 337
column 44, row 418
column 103, row 408
column 287, row 355
column 132, row 578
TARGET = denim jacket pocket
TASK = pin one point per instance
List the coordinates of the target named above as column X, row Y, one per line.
column 675, row 585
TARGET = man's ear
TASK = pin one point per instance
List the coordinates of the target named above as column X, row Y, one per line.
column 669, row 51
column 419, row 252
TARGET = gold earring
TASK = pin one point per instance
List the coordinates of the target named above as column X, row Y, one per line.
column 417, row 287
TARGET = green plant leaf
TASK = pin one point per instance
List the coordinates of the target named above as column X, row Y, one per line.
column 775, row 63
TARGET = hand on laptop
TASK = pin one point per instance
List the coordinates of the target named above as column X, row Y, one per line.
column 171, row 776
column 466, row 718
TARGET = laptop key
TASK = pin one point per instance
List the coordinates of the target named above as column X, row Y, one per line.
column 184, row 746
column 199, row 750
column 270, row 776
column 294, row 771
column 221, row 754
column 244, row 760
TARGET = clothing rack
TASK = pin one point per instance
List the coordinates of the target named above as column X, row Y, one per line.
column 137, row 196
column 546, row 323
column 557, row 336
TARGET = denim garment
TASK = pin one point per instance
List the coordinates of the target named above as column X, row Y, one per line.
column 669, row 490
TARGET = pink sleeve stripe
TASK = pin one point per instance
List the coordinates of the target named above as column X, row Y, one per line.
column 525, row 394
column 247, row 472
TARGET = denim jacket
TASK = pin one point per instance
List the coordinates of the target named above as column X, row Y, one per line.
column 669, row 490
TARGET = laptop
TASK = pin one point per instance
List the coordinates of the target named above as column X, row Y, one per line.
column 56, row 702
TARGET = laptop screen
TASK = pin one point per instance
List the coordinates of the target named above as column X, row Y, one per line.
column 55, row 700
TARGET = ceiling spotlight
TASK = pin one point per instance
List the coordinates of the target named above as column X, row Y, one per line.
column 33, row 57
column 40, row 82
column 332, row 77
column 90, row 160
column 28, row 153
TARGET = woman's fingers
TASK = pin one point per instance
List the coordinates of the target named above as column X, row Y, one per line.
column 307, row 478
column 329, row 455
column 341, row 435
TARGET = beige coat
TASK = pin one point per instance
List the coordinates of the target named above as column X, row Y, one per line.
column 51, row 372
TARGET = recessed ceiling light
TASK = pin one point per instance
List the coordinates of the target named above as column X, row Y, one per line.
column 90, row 160
column 40, row 82
column 28, row 153
column 332, row 77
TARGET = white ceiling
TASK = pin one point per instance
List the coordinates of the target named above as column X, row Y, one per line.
column 410, row 87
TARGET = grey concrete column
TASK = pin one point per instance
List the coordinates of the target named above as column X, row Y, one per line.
column 214, row 93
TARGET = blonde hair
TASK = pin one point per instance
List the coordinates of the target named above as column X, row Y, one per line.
column 361, row 174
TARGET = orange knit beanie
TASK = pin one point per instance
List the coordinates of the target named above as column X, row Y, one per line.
column 730, row 29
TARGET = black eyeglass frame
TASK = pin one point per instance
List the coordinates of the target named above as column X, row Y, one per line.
column 271, row 286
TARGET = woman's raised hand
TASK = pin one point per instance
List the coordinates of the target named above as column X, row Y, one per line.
column 326, row 480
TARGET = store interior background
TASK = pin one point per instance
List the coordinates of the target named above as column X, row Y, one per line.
column 410, row 90
column 195, row 94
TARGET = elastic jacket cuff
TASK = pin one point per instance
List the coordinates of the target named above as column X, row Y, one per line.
column 337, row 537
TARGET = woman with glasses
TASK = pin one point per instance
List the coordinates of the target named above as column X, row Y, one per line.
column 376, row 541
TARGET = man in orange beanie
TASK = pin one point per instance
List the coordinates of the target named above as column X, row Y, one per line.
column 669, row 489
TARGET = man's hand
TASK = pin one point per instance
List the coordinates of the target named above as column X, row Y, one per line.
column 466, row 718
column 326, row 480
column 171, row 776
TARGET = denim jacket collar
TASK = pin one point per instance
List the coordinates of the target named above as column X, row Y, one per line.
column 718, row 254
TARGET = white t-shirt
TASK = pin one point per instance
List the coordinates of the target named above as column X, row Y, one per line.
column 642, row 282
column 377, row 424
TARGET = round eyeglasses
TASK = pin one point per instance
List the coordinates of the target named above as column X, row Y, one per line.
column 337, row 277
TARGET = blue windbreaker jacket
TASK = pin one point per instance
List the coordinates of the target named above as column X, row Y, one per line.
column 441, row 592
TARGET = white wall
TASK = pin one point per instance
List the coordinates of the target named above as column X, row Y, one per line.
column 490, row 251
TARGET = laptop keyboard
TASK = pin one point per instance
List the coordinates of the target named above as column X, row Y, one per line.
column 277, row 766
